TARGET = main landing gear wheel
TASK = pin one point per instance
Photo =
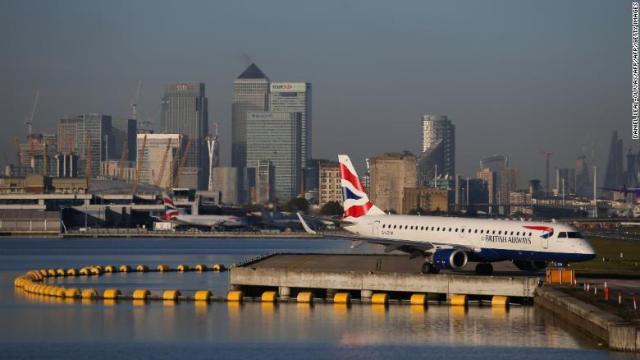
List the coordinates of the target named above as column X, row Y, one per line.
column 429, row 268
column 484, row 269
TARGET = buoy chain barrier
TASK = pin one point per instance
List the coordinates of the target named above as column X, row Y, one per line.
column 33, row 283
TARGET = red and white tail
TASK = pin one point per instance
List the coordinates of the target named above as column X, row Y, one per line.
column 355, row 200
column 170, row 210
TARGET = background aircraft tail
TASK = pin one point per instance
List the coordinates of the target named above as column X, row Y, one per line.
column 355, row 199
column 170, row 210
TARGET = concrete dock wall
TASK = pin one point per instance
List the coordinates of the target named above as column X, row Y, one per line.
column 387, row 282
column 618, row 333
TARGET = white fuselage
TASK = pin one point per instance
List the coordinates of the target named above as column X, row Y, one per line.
column 487, row 238
column 205, row 220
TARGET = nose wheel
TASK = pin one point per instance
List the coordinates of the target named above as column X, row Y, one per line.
column 484, row 269
column 429, row 268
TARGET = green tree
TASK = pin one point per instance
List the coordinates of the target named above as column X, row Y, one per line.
column 297, row 204
column 332, row 208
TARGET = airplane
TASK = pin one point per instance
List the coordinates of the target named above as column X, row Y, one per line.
column 173, row 214
column 449, row 242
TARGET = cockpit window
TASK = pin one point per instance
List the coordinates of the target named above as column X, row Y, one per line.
column 574, row 235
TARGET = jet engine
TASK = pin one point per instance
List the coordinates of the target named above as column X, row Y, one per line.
column 530, row 265
column 450, row 259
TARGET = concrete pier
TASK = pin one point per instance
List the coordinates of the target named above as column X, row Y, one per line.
column 618, row 333
column 365, row 274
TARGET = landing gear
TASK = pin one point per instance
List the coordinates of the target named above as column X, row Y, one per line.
column 484, row 269
column 429, row 268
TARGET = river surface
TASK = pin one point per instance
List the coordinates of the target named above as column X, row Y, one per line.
column 33, row 327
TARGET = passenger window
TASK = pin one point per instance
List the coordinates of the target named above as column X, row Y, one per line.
column 562, row 235
column 511, row 233
column 518, row 233
column 475, row 231
column 493, row 232
column 456, row 230
column 529, row 234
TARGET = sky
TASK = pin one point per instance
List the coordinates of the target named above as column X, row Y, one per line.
column 515, row 77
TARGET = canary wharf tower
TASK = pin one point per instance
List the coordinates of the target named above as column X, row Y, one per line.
column 250, row 93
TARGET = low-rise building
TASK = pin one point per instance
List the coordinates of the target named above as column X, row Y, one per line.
column 426, row 199
column 330, row 188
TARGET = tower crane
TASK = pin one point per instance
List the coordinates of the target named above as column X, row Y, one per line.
column 29, row 119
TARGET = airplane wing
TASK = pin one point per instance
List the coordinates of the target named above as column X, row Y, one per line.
column 390, row 244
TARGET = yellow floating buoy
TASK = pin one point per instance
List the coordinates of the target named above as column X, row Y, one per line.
column 85, row 272
column 111, row 294
column 458, row 300
column 142, row 268
column 61, row 272
column 125, row 268
column 419, row 299
column 110, row 269
column 89, row 294
column 43, row 272
column 235, row 295
column 172, row 295
column 183, row 267
column 162, row 268
column 72, row 272
column 203, row 295
column 218, row 267
column 52, row 272
column 499, row 301
column 61, row 292
column 269, row 296
column 141, row 294
column 304, row 297
column 95, row 271
column 380, row 299
column 72, row 293
column 201, row 267
column 342, row 298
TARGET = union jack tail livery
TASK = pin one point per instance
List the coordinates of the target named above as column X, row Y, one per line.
column 170, row 210
column 356, row 202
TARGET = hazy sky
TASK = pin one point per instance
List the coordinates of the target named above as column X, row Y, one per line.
column 516, row 77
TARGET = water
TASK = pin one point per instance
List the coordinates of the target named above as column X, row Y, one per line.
column 37, row 327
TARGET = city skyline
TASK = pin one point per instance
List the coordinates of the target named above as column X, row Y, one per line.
column 505, row 96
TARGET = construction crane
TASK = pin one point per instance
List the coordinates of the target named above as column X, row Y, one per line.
column 29, row 120
column 162, row 164
column 140, row 161
column 123, row 159
column 183, row 160
column 547, row 155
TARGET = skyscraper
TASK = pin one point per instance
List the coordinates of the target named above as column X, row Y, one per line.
column 294, row 97
column 250, row 93
column 614, row 176
column 94, row 141
column 438, row 130
column 124, row 132
column 185, row 112
column 276, row 137
column 583, row 179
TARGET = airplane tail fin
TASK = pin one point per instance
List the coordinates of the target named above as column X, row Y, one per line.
column 170, row 210
column 355, row 199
